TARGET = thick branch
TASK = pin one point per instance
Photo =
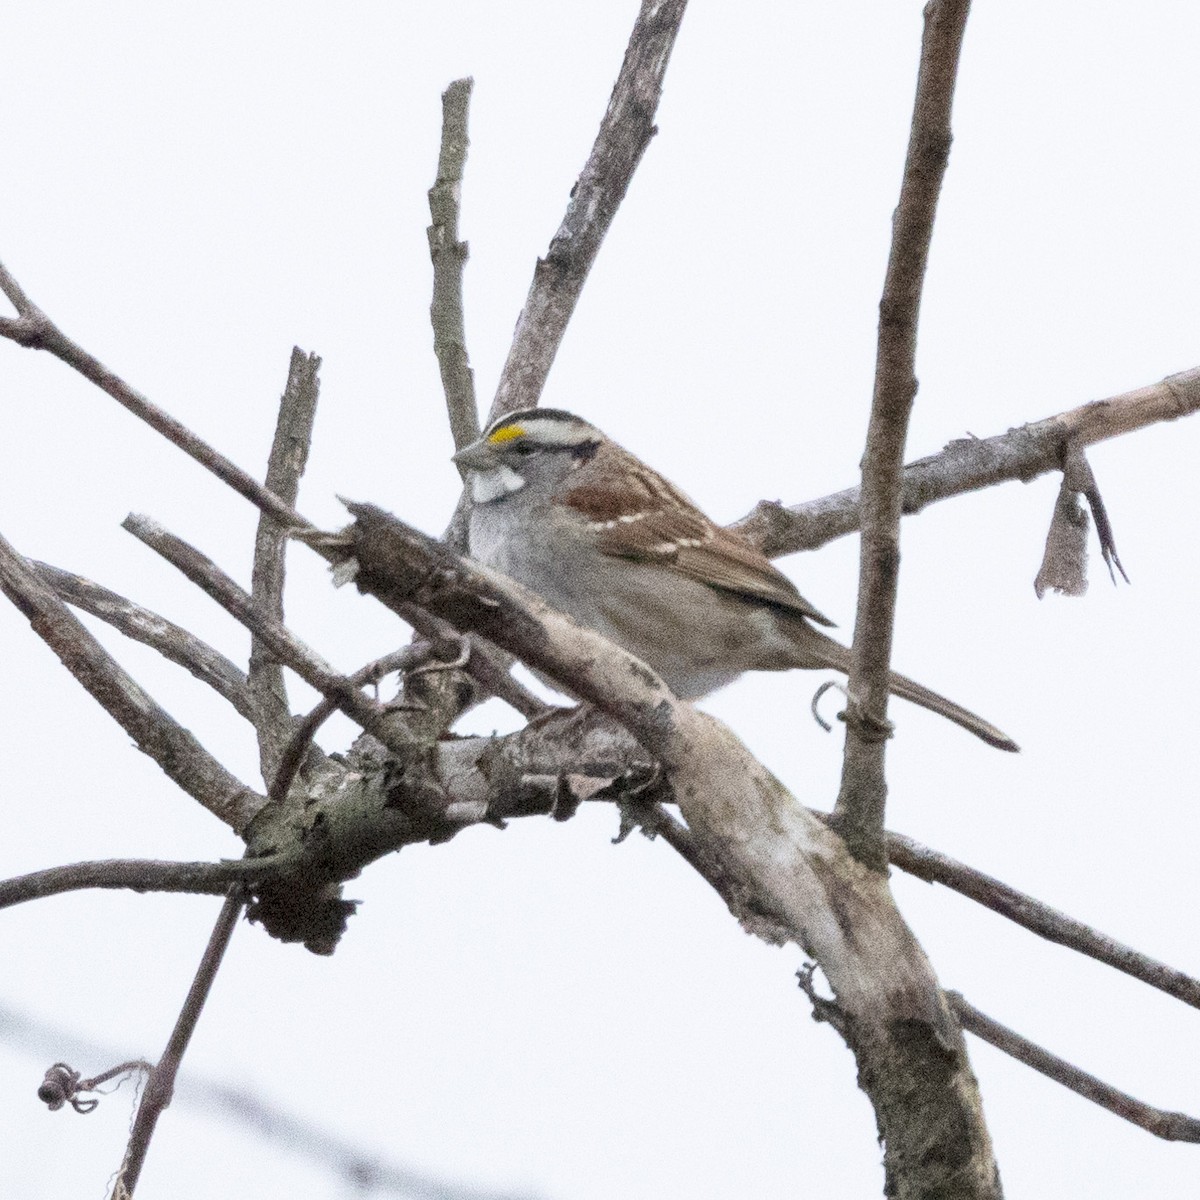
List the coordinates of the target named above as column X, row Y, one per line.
column 784, row 874
column 449, row 256
column 1171, row 1126
column 970, row 464
column 861, row 798
column 289, row 454
column 558, row 279
column 156, row 733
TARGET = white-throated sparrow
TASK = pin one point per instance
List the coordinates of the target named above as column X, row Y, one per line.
column 567, row 512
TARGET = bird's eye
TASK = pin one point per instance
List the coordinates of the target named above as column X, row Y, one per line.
column 525, row 449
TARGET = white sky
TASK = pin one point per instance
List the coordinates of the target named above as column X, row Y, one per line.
column 191, row 191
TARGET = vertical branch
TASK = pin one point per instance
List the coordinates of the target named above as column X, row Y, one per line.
column 161, row 1084
column 285, row 466
column 449, row 257
column 558, row 279
column 861, row 799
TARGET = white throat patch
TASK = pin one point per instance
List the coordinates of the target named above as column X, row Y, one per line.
column 487, row 486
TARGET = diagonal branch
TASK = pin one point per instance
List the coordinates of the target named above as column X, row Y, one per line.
column 449, row 256
column 160, row 1085
column 558, row 279
column 1170, row 1126
column 34, row 329
column 156, row 733
column 936, row 867
column 970, row 464
column 289, row 454
column 139, row 624
column 862, row 796
column 288, row 649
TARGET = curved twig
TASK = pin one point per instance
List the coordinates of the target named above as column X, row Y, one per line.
column 298, row 745
column 138, row 875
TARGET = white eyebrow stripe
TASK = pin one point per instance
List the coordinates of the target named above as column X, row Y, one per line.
column 550, row 432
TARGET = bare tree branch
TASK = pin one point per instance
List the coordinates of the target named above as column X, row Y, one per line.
column 137, row 875
column 786, row 876
column 282, row 644
column 34, row 329
column 140, row 624
column 1171, row 1126
column 558, row 279
column 160, row 1085
column 861, row 800
column 289, row 455
column 298, row 745
column 970, row 464
column 449, row 256
column 182, row 758
column 1039, row 918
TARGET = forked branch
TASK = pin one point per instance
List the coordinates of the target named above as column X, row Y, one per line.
column 182, row 758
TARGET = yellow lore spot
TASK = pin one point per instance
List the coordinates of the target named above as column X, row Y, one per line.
column 506, row 433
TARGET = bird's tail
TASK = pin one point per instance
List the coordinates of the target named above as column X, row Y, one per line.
column 818, row 650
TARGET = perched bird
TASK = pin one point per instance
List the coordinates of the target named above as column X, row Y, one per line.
column 564, row 510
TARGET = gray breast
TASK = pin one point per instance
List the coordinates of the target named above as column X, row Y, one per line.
column 676, row 625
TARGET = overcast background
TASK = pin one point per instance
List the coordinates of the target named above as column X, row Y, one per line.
column 191, row 190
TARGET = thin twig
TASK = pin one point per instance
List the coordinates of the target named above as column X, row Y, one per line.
column 279, row 641
column 558, row 279
column 289, row 454
column 1170, row 1126
column 1038, row 917
column 861, row 798
column 142, row 625
column 449, row 256
column 138, row 875
column 253, row 1116
column 34, row 329
column 63, row 1085
column 969, row 464
column 27, row 311
column 161, row 1084
column 298, row 745
column 156, row 733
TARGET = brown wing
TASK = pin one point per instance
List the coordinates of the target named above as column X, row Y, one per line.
column 661, row 525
